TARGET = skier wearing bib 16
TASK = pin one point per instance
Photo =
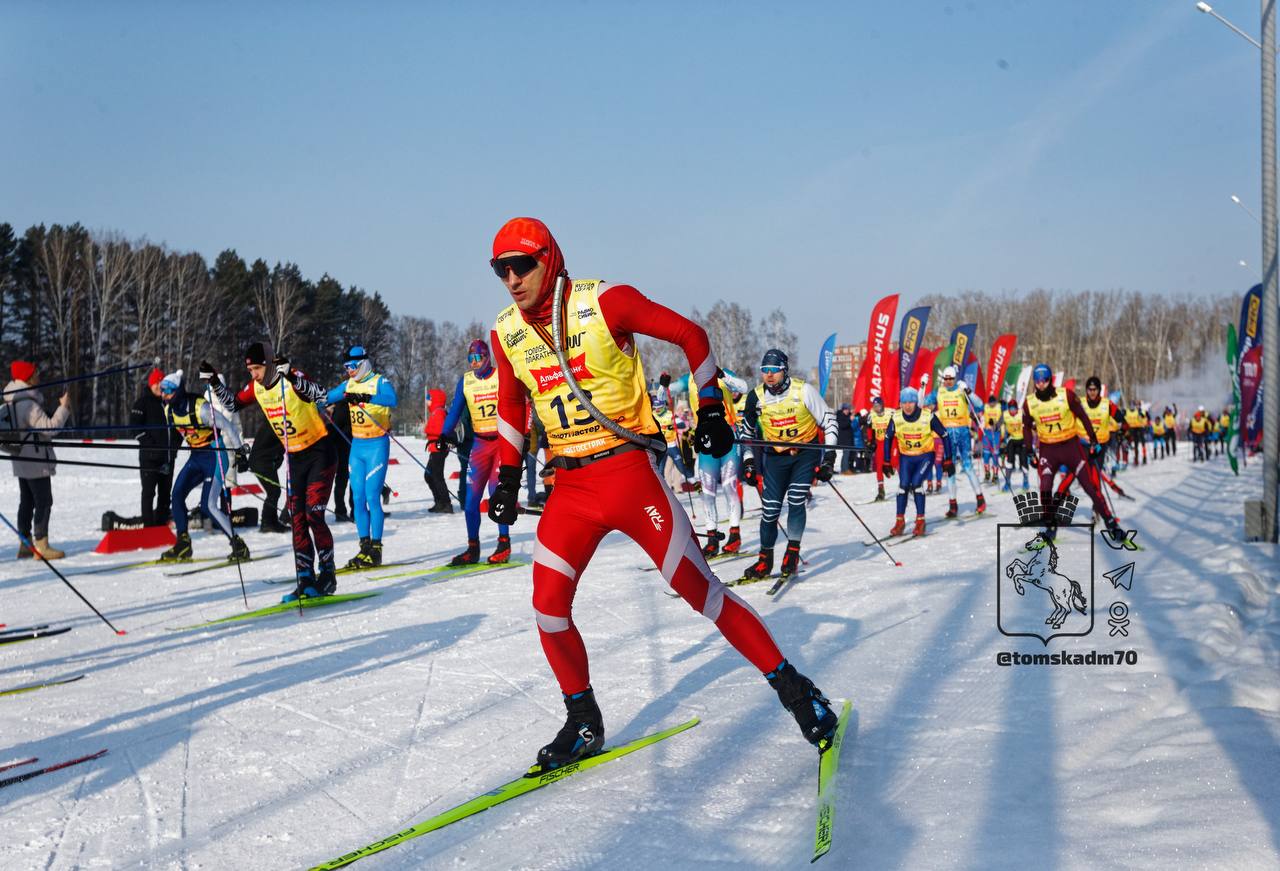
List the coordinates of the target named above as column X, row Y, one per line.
column 476, row 399
column 1054, row 414
column 913, row 429
column 370, row 397
column 605, row 482
column 785, row 410
column 206, row 431
column 288, row 400
column 957, row 415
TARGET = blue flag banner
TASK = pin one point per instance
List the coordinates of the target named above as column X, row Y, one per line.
column 962, row 340
column 910, row 337
column 1250, row 331
column 825, row 358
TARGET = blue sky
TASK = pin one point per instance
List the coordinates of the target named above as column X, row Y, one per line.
column 806, row 155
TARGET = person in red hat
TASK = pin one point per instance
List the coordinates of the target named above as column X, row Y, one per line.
column 157, row 441
column 606, row 482
column 35, row 462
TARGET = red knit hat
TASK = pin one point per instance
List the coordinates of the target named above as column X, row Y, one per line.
column 21, row 370
column 532, row 236
column 154, row 377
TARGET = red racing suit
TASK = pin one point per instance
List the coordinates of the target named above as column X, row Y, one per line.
column 621, row 492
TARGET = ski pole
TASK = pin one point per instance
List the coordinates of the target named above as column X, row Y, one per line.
column 864, row 525
column 105, row 426
column 74, row 378
column 17, row 459
column 101, row 447
column 63, row 577
column 808, row 446
column 288, row 483
column 226, row 491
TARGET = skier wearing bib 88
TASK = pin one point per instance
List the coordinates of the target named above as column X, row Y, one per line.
column 288, row 400
column 370, row 397
column 476, row 399
column 605, row 482
column 785, row 409
column 957, row 416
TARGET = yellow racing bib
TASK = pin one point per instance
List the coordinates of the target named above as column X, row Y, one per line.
column 1013, row 425
column 197, row 435
column 914, row 437
column 482, row 401
column 612, row 378
column 368, row 421
column 295, row 421
column 1053, row 418
column 953, row 407
column 786, row 418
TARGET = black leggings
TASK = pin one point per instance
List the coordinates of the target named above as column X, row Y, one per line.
column 264, row 461
column 35, row 499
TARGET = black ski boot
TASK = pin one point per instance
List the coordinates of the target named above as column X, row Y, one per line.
column 582, row 734
column 468, row 557
column 363, row 559
column 763, row 566
column 712, row 546
column 239, row 550
column 791, row 559
column 953, row 509
column 271, row 521
column 180, row 552
column 375, row 551
column 733, row 543
column 502, row 553
column 326, row 581
column 806, row 703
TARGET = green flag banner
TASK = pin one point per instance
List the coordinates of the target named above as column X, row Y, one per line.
column 1233, row 430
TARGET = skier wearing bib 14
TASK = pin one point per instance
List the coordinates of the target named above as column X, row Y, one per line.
column 370, row 397
column 956, row 415
column 476, row 399
column 913, row 430
column 605, row 482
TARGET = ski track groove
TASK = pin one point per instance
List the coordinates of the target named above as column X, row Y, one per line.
column 153, row 831
column 323, row 722
column 186, row 785
column 554, row 715
column 66, row 826
column 413, row 738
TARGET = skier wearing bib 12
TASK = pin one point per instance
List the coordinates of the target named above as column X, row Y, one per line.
column 476, row 399
column 370, row 398
column 288, row 400
column 605, row 482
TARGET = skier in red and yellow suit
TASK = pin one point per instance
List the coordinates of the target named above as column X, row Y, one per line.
column 604, row 482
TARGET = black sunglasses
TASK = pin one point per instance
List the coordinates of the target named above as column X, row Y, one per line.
column 520, row 264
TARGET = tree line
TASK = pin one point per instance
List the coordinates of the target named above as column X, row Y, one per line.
column 76, row 301
column 1129, row 339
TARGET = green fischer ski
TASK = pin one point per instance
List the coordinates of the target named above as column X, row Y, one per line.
column 39, row 686
column 447, row 572
column 223, row 564
column 506, row 792
column 352, row 570
column 827, row 764
column 142, row 564
column 308, row 602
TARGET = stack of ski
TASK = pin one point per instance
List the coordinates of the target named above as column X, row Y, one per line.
column 282, row 608
column 19, row 778
column 30, row 633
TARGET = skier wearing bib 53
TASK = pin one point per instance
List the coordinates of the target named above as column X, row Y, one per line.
column 605, row 481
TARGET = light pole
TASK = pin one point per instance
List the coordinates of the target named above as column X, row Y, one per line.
column 1270, row 288
column 1248, row 211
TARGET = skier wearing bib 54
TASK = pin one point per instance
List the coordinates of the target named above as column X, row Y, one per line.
column 605, row 481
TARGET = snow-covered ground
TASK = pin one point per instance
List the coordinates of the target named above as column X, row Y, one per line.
column 286, row 741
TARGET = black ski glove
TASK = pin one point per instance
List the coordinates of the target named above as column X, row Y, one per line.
column 208, row 372
column 948, row 467
column 664, row 379
column 242, row 458
column 504, row 504
column 828, row 467
column 749, row 471
column 887, row 470
column 713, row 436
column 355, row 398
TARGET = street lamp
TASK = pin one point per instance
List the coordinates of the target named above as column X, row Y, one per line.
column 1270, row 287
column 1251, row 269
column 1248, row 211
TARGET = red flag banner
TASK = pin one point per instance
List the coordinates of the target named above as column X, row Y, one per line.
column 877, row 369
column 1001, row 357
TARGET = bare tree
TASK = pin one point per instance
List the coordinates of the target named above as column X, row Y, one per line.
column 280, row 302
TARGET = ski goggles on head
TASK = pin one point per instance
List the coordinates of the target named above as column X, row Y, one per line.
column 520, row 264
column 772, row 370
